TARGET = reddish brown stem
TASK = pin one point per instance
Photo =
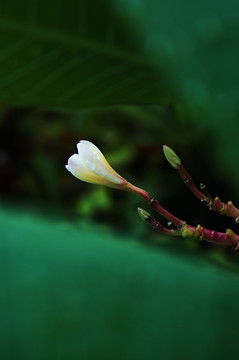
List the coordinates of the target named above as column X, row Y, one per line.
column 200, row 232
column 224, row 209
column 156, row 206
column 214, row 204
column 154, row 223
column 188, row 181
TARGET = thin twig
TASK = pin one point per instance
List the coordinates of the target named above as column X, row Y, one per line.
column 227, row 209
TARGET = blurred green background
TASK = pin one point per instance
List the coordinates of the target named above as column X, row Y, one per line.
column 81, row 276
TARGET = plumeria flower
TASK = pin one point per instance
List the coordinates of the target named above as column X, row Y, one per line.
column 91, row 166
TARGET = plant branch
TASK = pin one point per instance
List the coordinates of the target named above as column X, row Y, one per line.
column 155, row 205
column 198, row 232
column 154, row 223
column 227, row 209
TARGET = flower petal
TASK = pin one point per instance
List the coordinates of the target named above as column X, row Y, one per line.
column 78, row 168
column 91, row 146
column 91, row 166
column 97, row 151
column 95, row 161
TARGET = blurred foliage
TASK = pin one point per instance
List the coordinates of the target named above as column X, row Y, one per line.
column 69, row 293
column 86, row 56
column 130, row 76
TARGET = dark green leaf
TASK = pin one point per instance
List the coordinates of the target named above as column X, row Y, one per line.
column 72, row 55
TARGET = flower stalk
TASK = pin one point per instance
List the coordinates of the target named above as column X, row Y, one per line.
column 155, row 205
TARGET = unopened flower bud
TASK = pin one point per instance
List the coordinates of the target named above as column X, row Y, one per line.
column 143, row 214
column 91, row 166
column 171, row 156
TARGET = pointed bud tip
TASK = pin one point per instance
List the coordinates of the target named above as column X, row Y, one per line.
column 143, row 214
column 171, row 156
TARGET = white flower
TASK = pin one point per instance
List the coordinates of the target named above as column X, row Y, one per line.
column 91, row 166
